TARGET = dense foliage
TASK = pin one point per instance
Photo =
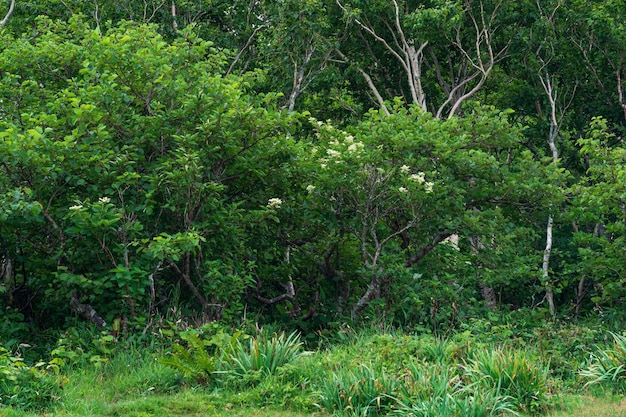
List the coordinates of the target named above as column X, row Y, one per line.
column 217, row 160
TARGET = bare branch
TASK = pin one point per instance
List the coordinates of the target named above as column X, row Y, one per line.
column 8, row 15
column 370, row 84
column 420, row 254
column 154, row 12
column 241, row 51
column 482, row 65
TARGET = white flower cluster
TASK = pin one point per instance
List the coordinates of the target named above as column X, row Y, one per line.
column 338, row 150
column 344, row 144
column 76, row 207
column 274, row 203
column 420, row 178
column 104, row 200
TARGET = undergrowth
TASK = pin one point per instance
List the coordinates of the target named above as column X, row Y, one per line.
column 365, row 373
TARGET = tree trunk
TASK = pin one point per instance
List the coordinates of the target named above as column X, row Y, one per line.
column 546, row 265
column 372, row 293
column 487, row 292
column 548, row 85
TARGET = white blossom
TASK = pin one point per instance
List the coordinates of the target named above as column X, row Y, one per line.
column 104, row 200
column 405, row 169
column 333, row 153
column 402, row 190
column 418, row 177
column 310, row 188
column 429, row 187
column 76, row 207
column 274, row 203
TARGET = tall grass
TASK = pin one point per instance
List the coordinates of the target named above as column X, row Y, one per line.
column 364, row 390
column 514, row 374
column 608, row 365
column 263, row 354
column 371, row 375
column 437, row 390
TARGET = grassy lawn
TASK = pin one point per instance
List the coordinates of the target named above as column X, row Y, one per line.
column 193, row 403
column 196, row 403
column 588, row 406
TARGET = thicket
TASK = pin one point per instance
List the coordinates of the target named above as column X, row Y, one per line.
column 138, row 177
column 147, row 172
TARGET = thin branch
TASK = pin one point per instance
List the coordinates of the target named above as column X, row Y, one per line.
column 438, row 238
column 370, row 84
column 378, row 38
column 8, row 15
column 241, row 51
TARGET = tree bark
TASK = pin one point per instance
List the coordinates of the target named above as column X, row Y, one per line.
column 487, row 292
column 86, row 311
column 548, row 85
column 620, row 91
column 8, row 15
column 372, row 293
column 546, row 265
column 174, row 21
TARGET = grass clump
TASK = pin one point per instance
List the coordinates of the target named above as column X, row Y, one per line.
column 608, row 365
column 437, row 391
column 364, row 390
column 511, row 373
column 262, row 354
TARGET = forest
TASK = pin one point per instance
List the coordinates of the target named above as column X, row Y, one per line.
column 430, row 192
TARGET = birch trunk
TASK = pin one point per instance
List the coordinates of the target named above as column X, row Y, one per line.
column 548, row 86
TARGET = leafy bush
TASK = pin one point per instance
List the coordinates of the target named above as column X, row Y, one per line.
column 608, row 365
column 27, row 386
column 200, row 356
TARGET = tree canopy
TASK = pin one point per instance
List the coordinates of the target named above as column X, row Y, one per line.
column 311, row 160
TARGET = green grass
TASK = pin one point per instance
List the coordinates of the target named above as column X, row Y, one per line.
column 368, row 373
column 590, row 406
column 192, row 403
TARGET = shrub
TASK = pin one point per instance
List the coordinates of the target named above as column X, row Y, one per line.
column 27, row 387
column 200, row 356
